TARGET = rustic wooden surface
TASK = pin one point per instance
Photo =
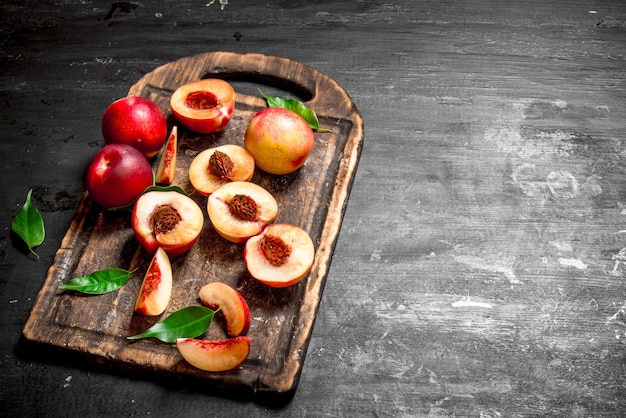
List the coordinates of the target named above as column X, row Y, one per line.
column 313, row 198
column 480, row 266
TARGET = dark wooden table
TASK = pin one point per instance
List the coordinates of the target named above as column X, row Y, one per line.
column 480, row 269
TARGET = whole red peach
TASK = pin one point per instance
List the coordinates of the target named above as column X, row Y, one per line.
column 279, row 139
column 117, row 175
column 135, row 121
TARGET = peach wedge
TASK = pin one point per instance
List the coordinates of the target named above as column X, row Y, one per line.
column 214, row 355
column 232, row 305
column 280, row 256
column 240, row 209
column 213, row 167
column 166, row 168
column 156, row 289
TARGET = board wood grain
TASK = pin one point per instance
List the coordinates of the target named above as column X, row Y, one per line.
column 313, row 198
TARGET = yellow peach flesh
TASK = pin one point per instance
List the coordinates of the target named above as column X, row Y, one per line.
column 297, row 265
column 229, row 226
column 203, row 180
column 214, row 355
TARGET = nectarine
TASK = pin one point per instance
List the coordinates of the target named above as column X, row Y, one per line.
column 117, row 175
column 204, row 106
column 166, row 169
column 231, row 304
column 166, row 219
column 280, row 256
column 213, row 167
column 156, row 288
column 240, row 209
column 214, row 355
column 279, row 139
column 135, row 121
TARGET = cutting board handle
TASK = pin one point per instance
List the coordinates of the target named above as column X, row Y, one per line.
column 316, row 89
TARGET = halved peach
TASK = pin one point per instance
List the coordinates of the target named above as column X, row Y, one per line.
column 280, row 256
column 167, row 160
column 230, row 303
column 156, row 289
column 240, row 209
column 214, row 355
column 204, row 106
column 213, row 167
column 166, row 219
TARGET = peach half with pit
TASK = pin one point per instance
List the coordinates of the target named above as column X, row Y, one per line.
column 214, row 355
column 213, row 167
column 166, row 219
column 239, row 210
column 280, row 256
column 234, row 308
column 204, row 106
column 156, row 288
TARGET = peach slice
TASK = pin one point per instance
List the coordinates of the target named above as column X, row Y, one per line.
column 166, row 219
column 240, row 210
column 167, row 160
column 156, row 289
column 213, row 167
column 214, row 355
column 280, row 256
column 232, row 305
column 204, row 106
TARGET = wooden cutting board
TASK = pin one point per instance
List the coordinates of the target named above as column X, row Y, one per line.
column 313, row 198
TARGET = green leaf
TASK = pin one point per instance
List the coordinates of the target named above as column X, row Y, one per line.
column 99, row 282
column 28, row 225
column 298, row 107
column 188, row 322
column 158, row 188
column 152, row 188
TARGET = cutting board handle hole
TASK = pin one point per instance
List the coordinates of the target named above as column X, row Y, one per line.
column 249, row 84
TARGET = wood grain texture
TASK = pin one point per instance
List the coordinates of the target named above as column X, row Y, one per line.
column 313, row 198
column 479, row 267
